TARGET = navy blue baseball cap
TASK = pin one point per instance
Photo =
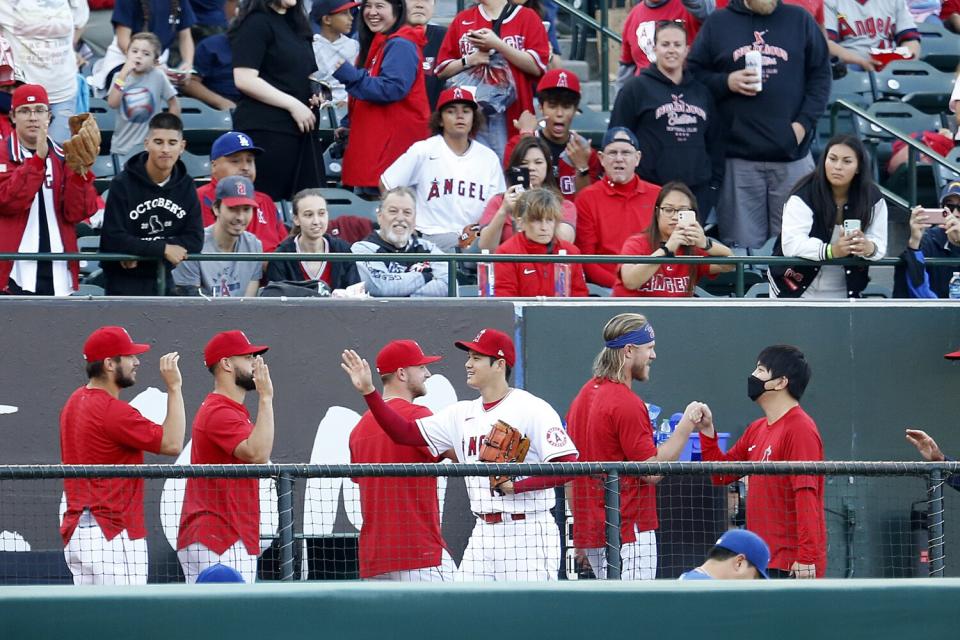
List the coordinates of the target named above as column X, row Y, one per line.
column 951, row 189
column 322, row 8
column 619, row 134
column 748, row 543
column 231, row 142
column 236, row 191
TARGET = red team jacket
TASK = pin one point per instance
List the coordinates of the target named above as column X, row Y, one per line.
column 529, row 279
column 218, row 512
column 21, row 178
column 401, row 516
column 786, row 511
column 669, row 281
column 607, row 214
column 610, row 423
column 381, row 133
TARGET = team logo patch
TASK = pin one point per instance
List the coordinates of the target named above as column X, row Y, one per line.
column 241, row 189
column 557, row 437
column 562, row 80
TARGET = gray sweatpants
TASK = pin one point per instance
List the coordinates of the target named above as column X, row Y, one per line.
column 752, row 197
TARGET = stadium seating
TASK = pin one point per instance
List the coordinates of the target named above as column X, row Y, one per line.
column 915, row 83
column 943, row 176
column 197, row 166
column 939, row 46
column 106, row 120
column 104, row 168
column 202, row 124
column 343, row 202
column 591, row 125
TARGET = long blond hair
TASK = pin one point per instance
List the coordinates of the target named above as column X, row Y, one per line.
column 609, row 362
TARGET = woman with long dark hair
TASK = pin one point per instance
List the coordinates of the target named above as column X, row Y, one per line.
column 674, row 231
column 389, row 110
column 499, row 221
column 271, row 42
column 835, row 212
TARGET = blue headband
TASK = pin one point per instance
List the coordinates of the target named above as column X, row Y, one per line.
column 643, row 335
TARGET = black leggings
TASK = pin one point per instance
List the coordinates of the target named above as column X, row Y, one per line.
column 280, row 172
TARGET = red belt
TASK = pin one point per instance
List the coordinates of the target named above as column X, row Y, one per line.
column 497, row 518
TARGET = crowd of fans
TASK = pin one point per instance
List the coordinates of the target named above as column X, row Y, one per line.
column 465, row 137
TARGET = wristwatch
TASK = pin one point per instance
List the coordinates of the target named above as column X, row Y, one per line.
column 708, row 244
column 583, row 172
column 666, row 251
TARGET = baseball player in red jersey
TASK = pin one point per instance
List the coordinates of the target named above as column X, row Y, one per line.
column 515, row 536
column 400, row 538
column 609, row 423
column 102, row 529
column 220, row 522
column 786, row 511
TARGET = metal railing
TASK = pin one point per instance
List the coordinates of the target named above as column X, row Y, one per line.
column 934, row 476
column 740, row 263
column 913, row 148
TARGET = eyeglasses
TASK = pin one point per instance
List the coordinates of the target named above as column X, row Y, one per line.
column 619, row 154
column 672, row 211
column 26, row 112
column 954, row 207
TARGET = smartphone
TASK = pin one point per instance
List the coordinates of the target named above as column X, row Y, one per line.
column 519, row 176
column 686, row 217
column 933, row 216
column 849, row 226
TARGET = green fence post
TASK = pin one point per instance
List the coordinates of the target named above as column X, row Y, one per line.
column 611, row 502
column 452, row 277
column 161, row 278
column 739, row 282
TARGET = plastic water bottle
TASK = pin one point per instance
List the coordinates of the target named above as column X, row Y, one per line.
column 561, row 277
column 955, row 286
column 485, row 279
column 653, row 411
column 664, row 432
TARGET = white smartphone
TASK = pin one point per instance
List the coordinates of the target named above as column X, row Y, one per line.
column 686, row 217
column 849, row 226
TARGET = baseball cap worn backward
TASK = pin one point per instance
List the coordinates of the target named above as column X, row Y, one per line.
column 235, row 191
column 491, row 342
column 456, row 94
column 750, row 545
column 227, row 344
column 29, row 94
column 232, row 142
column 952, row 189
column 110, row 342
column 402, row 353
column 559, row 79
column 619, row 134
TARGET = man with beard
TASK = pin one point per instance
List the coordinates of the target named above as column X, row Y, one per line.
column 397, row 217
column 220, row 522
column 400, row 539
column 608, row 422
column 103, row 530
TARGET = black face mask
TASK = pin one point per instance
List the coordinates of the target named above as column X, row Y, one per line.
column 755, row 387
column 6, row 101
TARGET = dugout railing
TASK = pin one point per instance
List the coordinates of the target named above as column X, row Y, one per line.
column 867, row 506
column 740, row 263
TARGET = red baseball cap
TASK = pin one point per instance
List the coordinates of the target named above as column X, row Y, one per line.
column 29, row 94
column 235, row 191
column 110, row 342
column 559, row 79
column 491, row 342
column 402, row 353
column 953, row 355
column 227, row 344
column 456, row 94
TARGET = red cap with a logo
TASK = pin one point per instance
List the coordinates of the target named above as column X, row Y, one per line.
column 29, row 94
column 227, row 344
column 402, row 353
column 559, row 79
column 490, row 342
column 110, row 342
column 456, row 94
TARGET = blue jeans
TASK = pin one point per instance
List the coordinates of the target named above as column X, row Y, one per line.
column 60, row 127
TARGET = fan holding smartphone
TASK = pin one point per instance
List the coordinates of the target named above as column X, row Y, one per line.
column 934, row 233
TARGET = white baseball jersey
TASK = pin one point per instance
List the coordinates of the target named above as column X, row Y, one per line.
column 452, row 190
column 463, row 427
column 874, row 23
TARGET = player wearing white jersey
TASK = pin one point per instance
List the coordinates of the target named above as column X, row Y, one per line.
column 454, row 175
column 854, row 27
column 515, row 536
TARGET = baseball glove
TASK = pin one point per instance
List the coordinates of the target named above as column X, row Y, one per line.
column 83, row 147
column 503, row 444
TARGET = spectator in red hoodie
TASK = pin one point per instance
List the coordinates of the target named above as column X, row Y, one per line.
column 541, row 210
column 234, row 154
column 388, row 99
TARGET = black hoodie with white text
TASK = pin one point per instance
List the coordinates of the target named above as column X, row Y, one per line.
column 142, row 217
